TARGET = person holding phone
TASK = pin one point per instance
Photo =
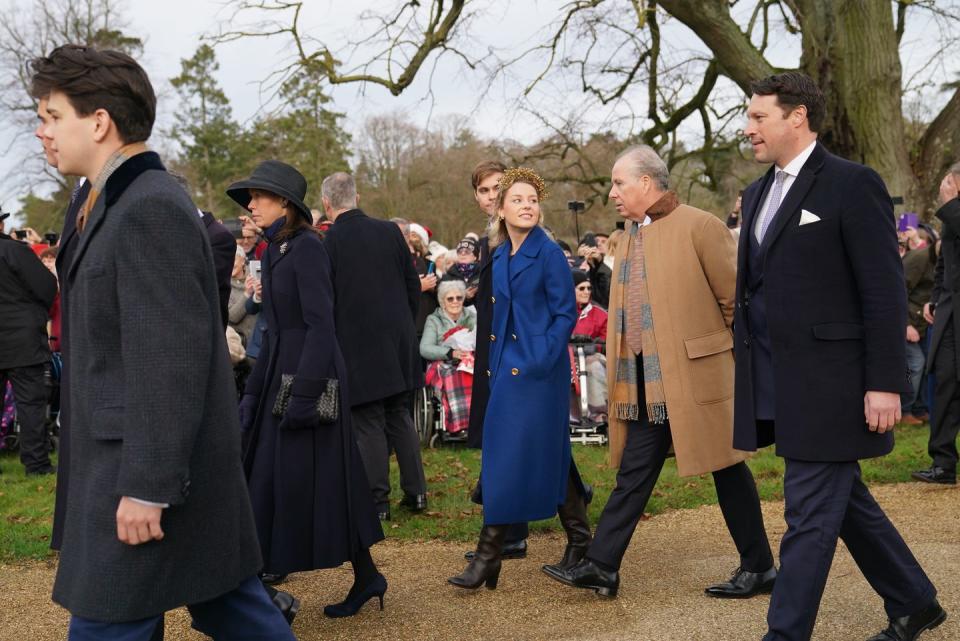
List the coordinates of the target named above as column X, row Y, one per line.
column 311, row 501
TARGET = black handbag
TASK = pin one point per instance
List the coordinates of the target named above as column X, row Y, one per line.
column 328, row 405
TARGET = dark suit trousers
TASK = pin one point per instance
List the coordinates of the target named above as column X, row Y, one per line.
column 825, row 501
column 945, row 422
column 31, row 394
column 243, row 614
column 382, row 426
column 643, row 457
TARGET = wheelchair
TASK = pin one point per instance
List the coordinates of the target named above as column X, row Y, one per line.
column 10, row 439
column 584, row 429
column 430, row 420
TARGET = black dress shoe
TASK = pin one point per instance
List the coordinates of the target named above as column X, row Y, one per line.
column 414, row 502
column 42, row 471
column 743, row 584
column 587, row 575
column 356, row 599
column 272, row 579
column 383, row 515
column 936, row 475
column 909, row 628
column 515, row 550
column 288, row 605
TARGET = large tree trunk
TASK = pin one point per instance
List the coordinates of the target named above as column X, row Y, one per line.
column 850, row 49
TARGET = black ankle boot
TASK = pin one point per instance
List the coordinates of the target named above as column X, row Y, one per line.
column 485, row 566
column 573, row 517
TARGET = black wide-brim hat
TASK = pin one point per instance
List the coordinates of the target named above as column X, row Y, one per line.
column 277, row 178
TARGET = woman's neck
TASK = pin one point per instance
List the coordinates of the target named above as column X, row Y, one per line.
column 517, row 236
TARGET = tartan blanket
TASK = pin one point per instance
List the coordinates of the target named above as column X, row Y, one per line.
column 454, row 387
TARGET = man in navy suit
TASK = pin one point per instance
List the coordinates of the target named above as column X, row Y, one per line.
column 819, row 332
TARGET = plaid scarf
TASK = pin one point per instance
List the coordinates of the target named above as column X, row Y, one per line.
column 97, row 186
column 631, row 325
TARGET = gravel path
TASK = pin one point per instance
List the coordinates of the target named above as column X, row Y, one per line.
column 672, row 557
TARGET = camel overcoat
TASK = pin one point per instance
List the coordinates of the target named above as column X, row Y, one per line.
column 691, row 263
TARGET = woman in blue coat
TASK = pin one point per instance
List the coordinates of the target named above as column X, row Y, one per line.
column 527, row 472
column 312, row 505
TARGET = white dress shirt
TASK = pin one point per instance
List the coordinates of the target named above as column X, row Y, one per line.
column 792, row 170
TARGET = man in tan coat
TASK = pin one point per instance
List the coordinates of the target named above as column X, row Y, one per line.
column 670, row 372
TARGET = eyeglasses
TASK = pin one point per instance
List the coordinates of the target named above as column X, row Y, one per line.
column 585, row 288
column 453, row 299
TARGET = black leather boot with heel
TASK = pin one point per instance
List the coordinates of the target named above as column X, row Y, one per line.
column 485, row 566
column 573, row 517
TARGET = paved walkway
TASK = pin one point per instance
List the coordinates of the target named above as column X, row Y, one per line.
column 672, row 557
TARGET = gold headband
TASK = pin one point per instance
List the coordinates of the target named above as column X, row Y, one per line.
column 525, row 175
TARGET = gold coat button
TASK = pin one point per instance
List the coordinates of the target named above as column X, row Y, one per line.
column 514, row 371
column 493, row 338
column 493, row 299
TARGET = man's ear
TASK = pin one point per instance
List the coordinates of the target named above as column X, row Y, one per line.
column 798, row 115
column 102, row 124
column 358, row 199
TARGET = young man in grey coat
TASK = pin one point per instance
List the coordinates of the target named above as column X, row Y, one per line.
column 157, row 514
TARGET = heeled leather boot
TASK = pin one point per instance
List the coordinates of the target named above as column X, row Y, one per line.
column 485, row 566
column 573, row 517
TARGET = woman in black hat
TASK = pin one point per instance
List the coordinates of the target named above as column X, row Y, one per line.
column 311, row 501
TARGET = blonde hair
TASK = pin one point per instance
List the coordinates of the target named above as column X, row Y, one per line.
column 497, row 229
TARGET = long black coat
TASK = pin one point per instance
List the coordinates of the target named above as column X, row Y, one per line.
column 946, row 284
column 27, row 290
column 483, row 302
column 835, row 309
column 68, row 246
column 152, row 409
column 377, row 294
column 310, row 495
column 224, row 247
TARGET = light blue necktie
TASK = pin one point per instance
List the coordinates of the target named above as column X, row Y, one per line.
column 774, row 205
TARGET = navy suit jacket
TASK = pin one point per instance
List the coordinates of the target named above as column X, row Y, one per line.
column 834, row 309
column 224, row 247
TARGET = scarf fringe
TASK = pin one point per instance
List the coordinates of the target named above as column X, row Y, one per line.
column 657, row 413
column 627, row 411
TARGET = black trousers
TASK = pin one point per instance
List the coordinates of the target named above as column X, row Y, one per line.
column 31, row 393
column 643, row 457
column 382, row 426
column 946, row 416
column 824, row 502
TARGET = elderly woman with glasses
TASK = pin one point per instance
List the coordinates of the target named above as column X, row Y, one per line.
column 448, row 342
column 591, row 327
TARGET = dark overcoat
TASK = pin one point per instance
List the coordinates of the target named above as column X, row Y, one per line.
column 224, row 247
column 27, row 290
column 484, row 306
column 833, row 313
column 68, row 245
column 525, row 462
column 946, row 283
column 377, row 294
column 310, row 495
column 152, row 409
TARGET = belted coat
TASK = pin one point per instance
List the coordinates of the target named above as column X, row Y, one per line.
column 526, row 460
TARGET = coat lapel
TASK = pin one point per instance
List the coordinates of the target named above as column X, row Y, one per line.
column 501, row 271
column 118, row 182
column 528, row 252
column 69, row 233
column 790, row 207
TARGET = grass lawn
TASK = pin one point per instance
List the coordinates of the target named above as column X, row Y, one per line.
column 26, row 503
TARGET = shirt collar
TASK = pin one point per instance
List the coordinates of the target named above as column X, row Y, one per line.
column 794, row 166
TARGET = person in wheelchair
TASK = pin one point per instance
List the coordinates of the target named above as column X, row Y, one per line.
column 591, row 333
column 448, row 343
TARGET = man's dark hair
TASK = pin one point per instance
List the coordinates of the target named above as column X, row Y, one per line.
column 484, row 169
column 793, row 89
column 93, row 79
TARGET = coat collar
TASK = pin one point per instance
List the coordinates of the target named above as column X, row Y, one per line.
column 349, row 215
column 118, row 182
column 506, row 270
column 69, row 232
column 791, row 203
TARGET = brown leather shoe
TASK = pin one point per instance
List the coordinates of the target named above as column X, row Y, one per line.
column 910, row 419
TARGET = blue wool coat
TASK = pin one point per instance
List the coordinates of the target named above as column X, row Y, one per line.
column 526, row 443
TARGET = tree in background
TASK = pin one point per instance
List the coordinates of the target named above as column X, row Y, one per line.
column 213, row 147
column 682, row 95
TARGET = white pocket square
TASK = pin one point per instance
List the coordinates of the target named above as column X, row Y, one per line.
column 807, row 217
